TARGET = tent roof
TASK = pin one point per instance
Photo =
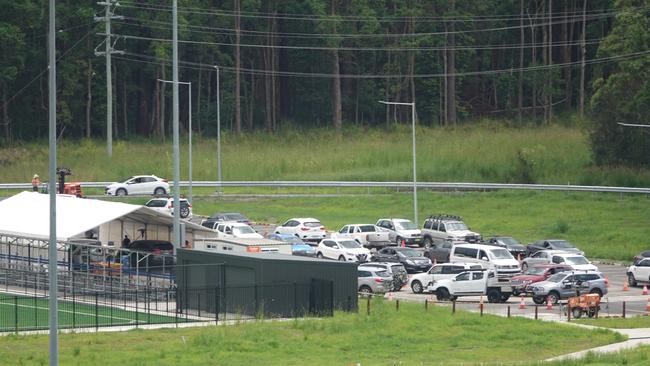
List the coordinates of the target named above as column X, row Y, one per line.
column 28, row 214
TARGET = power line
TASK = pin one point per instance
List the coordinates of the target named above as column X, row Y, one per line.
column 348, row 18
column 321, row 48
column 201, row 66
column 227, row 31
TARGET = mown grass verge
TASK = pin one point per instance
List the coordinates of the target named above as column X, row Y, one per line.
column 477, row 153
column 409, row 336
column 618, row 323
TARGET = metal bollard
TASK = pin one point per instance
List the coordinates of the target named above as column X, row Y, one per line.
column 508, row 311
column 623, row 309
column 536, row 311
column 480, row 306
column 426, row 304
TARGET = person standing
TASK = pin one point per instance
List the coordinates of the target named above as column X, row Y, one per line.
column 36, row 181
column 126, row 241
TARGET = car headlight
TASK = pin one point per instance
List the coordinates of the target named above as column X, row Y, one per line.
column 350, row 254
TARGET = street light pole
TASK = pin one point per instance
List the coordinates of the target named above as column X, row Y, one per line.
column 415, row 186
column 189, row 169
column 218, row 133
column 176, row 153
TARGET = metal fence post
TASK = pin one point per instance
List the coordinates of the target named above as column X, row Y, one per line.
column 96, row 312
column 137, row 317
column 198, row 302
column 426, row 304
column 35, row 312
column 368, row 306
column 508, row 311
column 453, row 307
column 74, row 309
column 397, row 305
column 623, row 309
column 148, row 305
column 216, row 306
column 16, row 313
column 536, row 311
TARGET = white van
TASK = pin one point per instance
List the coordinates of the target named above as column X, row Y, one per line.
column 489, row 256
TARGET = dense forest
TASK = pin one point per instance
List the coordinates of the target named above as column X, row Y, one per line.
column 323, row 63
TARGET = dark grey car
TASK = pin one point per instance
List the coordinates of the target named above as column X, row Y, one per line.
column 552, row 244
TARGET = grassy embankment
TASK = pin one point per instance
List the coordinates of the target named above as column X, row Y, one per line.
column 411, row 336
column 478, row 153
column 618, row 323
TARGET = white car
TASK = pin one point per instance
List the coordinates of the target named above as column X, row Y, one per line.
column 368, row 235
column 166, row 205
column 139, row 184
column 401, row 230
column 236, row 230
column 344, row 250
column 307, row 229
column 576, row 261
column 639, row 272
column 420, row 282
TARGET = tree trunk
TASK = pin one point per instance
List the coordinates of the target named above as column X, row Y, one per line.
column 451, row 69
column 336, row 82
column 251, row 102
column 533, row 60
column 198, row 103
column 445, row 121
column 520, row 87
column 125, row 106
column 89, row 95
column 583, row 53
column 237, row 70
column 161, row 116
column 549, row 95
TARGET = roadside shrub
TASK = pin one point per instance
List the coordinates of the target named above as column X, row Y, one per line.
column 525, row 168
column 561, row 227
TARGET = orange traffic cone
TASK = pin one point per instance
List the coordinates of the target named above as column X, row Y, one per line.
column 522, row 304
column 403, row 243
column 645, row 290
column 625, row 287
column 647, row 307
column 549, row 304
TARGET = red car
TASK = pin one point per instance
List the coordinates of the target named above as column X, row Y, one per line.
column 535, row 274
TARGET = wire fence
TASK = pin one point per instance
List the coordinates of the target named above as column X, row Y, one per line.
column 21, row 312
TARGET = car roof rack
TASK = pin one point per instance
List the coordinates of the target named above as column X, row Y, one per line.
column 444, row 217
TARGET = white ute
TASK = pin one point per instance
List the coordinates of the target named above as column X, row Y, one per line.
column 368, row 235
column 420, row 282
column 472, row 283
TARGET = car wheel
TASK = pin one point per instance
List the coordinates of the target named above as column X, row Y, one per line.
column 159, row 191
column 319, row 255
column 416, row 286
column 539, row 300
column 630, row 280
column 185, row 212
column 524, row 266
column 427, row 242
column 596, row 291
column 554, row 297
column 365, row 291
column 442, row 294
column 494, row 296
column 341, row 258
column 576, row 313
column 120, row 192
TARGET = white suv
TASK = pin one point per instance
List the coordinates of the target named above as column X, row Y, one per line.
column 489, row 256
column 639, row 272
column 344, row 250
column 236, row 230
column 166, row 205
column 307, row 229
column 402, row 230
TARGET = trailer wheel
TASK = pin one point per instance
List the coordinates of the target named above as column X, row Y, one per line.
column 576, row 312
column 494, row 295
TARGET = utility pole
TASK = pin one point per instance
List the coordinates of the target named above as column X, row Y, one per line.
column 176, row 154
column 52, row 262
column 108, row 50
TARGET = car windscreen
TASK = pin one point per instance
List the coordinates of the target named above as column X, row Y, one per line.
column 410, row 252
column 126, row 180
column 405, row 225
column 234, row 217
column 349, row 244
column 561, row 244
column 535, row 271
column 383, row 274
column 557, row 277
column 243, row 230
column 499, row 254
column 509, row 241
column 398, row 268
column 367, row 228
column 577, row 260
column 455, row 226
column 313, row 224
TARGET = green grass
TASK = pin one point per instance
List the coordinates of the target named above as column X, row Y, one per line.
column 618, row 323
column 639, row 356
column 410, row 336
column 31, row 313
column 478, row 153
column 601, row 224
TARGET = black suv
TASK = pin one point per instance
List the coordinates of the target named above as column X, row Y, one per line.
column 151, row 253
